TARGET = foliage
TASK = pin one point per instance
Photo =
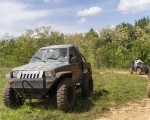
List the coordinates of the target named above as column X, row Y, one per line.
column 107, row 47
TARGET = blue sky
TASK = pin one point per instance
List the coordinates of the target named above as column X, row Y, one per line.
column 68, row 16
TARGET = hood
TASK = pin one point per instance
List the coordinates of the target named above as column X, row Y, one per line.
column 41, row 66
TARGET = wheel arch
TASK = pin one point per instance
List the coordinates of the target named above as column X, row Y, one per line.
column 59, row 78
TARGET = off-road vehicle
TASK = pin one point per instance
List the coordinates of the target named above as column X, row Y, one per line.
column 141, row 68
column 54, row 70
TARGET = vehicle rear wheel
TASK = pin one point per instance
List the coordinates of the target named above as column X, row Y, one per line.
column 138, row 71
column 87, row 86
column 11, row 98
column 65, row 95
column 147, row 72
column 148, row 89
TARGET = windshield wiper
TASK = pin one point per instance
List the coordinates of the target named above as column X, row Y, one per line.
column 39, row 59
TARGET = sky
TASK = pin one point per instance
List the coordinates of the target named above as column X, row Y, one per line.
column 68, row 16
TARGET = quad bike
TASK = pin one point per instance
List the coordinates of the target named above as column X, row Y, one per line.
column 141, row 68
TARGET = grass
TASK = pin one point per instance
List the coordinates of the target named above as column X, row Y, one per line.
column 110, row 90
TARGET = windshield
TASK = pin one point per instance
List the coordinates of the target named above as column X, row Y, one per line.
column 53, row 54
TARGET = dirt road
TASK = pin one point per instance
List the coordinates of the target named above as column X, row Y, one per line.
column 137, row 110
column 120, row 72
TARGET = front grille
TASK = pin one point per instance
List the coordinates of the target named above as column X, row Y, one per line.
column 30, row 74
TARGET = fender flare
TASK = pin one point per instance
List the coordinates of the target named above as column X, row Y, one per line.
column 59, row 76
column 62, row 74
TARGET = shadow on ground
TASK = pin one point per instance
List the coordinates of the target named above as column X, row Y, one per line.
column 84, row 105
column 81, row 105
column 47, row 103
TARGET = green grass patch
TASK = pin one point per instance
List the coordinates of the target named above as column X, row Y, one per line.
column 110, row 90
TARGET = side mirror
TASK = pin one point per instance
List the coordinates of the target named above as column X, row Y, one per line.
column 74, row 59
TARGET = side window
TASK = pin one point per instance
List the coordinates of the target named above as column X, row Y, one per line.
column 73, row 53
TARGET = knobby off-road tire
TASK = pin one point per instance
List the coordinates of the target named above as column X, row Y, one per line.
column 11, row 98
column 147, row 72
column 148, row 89
column 87, row 86
column 66, row 95
column 138, row 71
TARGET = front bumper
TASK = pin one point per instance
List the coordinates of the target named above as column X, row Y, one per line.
column 31, row 86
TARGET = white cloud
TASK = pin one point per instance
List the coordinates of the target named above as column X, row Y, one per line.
column 133, row 6
column 92, row 11
column 82, row 20
column 15, row 17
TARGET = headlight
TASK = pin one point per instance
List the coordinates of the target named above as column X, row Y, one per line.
column 50, row 73
column 15, row 73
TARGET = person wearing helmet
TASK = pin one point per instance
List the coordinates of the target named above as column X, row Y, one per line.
column 136, row 62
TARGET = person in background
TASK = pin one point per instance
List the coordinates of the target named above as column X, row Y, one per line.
column 136, row 62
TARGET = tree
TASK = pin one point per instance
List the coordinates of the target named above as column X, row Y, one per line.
column 143, row 22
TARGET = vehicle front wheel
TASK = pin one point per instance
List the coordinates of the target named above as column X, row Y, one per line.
column 65, row 95
column 87, row 86
column 11, row 98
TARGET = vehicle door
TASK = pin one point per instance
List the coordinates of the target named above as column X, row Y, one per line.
column 76, row 66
